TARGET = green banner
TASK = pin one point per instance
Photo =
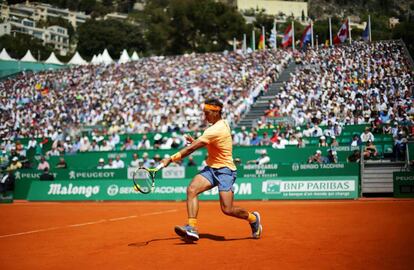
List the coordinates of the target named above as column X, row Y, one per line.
column 334, row 187
column 180, row 172
column 403, row 183
column 6, row 197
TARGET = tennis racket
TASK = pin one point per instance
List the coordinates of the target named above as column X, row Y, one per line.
column 144, row 178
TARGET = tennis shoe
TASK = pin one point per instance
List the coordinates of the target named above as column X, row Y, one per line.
column 187, row 232
column 256, row 226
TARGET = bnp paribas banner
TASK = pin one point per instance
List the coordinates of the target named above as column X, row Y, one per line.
column 335, row 187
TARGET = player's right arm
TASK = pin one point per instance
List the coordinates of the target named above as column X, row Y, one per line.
column 186, row 151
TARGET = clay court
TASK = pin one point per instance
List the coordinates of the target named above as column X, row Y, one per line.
column 362, row 234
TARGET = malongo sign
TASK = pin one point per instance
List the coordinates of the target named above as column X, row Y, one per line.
column 344, row 187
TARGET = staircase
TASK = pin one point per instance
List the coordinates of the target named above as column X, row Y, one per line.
column 376, row 176
column 261, row 104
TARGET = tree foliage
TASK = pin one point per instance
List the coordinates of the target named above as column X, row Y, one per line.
column 18, row 45
column 191, row 26
column 114, row 35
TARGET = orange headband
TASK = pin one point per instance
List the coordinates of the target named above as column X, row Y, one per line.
column 212, row 107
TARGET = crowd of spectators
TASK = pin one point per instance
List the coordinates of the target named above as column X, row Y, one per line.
column 355, row 84
column 334, row 87
column 155, row 94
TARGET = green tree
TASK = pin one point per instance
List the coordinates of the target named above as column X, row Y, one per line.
column 18, row 45
column 405, row 31
column 191, row 26
column 95, row 36
column 87, row 5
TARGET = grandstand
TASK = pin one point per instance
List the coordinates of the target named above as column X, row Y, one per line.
column 313, row 115
column 274, row 99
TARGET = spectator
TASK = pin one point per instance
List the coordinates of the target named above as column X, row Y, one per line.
column 386, row 129
column 275, row 136
column 301, row 143
column 15, row 164
column 94, row 147
column 146, row 161
column 46, row 176
column 263, row 159
column 110, row 164
column 101, row 164
column 135, row 161
column 370, row 150
column 367, row 135
column 292, row 140
column 332, row 156
column 43, row 164
column 118, row 163
column 355, row 141
column 334, row 142
column 322, row 142
column 278, row 144
column 265, row 140
column 355, row 156
column 61, row 164
column 255, row 140
column 7, row 182
column 316, row 158
column 4, row 160
column 399, row 149
column 144, row 143
column 105, row 146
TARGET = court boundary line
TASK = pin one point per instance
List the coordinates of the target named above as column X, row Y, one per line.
column 88, row 223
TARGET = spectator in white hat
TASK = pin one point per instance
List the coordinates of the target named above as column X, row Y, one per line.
column 316, row 158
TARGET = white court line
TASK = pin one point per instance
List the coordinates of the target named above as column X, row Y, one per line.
column 161, row 212
column 88, row 223
column 121, row 218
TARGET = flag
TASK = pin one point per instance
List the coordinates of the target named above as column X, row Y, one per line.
column 365, row 34
column 261, row 42
column 306, row 37
column 287, row 37
column 343, row 33
column 272, row 38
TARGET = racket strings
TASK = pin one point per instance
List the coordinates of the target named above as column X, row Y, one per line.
column 143, row 179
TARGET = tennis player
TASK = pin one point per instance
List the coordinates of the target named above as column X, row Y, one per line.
column 220, row 171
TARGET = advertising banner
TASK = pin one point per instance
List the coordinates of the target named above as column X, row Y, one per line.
column 403, row 184
column 333, row 187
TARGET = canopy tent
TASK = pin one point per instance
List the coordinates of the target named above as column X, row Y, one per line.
column 53, row 60
column 28, row 57
column 134, row 56
column 5, row 56
column 99, row 59
column 93, row 61
column 77, row 60
column 124, row 57
column 106, row 58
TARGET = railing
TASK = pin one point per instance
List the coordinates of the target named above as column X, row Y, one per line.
column 407, row 54
column 361, row 173
column 407, row 158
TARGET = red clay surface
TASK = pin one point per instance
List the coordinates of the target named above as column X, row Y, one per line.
column 361, row 234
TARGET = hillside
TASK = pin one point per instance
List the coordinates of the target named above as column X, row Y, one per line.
column 402, row 9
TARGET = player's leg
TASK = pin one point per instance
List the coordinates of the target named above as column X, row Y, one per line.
column 197, row 186
column 226, row 203
column 226, row 178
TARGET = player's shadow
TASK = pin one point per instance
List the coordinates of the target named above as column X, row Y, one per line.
column 202, row 236
column 220, row 238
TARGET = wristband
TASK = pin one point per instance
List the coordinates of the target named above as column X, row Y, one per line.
column 176, row 157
